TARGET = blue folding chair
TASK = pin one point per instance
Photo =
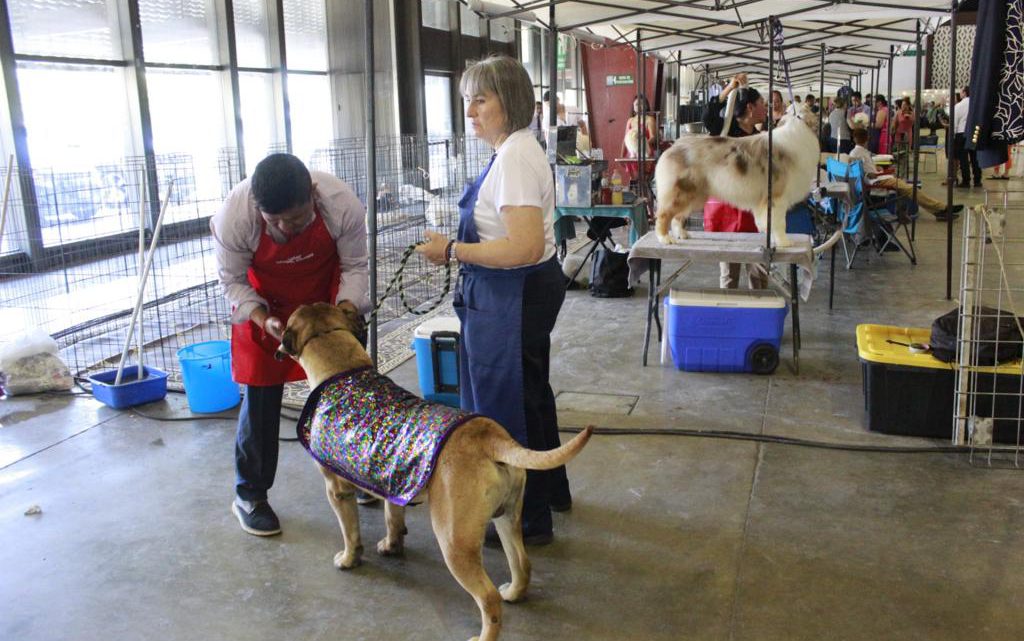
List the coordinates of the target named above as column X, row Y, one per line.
column 874, row 217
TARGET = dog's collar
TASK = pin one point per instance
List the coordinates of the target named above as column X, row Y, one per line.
column 318, row 335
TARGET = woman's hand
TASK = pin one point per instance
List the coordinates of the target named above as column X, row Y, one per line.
column 434, row 249
column 739, row 80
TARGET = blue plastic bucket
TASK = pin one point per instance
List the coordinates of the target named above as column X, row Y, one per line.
column 206, row 372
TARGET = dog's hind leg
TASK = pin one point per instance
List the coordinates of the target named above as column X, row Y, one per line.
column 510, row 531
column 393, row 544
column 460, row 539
column 342, row 496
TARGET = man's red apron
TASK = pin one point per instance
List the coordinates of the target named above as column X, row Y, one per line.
column 719, row 216
column 306, row 269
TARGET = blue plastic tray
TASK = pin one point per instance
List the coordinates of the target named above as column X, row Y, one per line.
column 132, row 391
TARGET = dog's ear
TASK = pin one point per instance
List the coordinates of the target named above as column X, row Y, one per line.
column 287, row 346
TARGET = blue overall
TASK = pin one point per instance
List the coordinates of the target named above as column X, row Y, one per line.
column 507, row 316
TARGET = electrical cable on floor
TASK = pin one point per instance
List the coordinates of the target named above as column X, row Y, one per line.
column 622, row 431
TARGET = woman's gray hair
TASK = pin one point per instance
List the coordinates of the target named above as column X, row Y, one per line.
column 508, row 80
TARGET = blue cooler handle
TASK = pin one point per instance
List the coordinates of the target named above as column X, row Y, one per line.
column 441, row 342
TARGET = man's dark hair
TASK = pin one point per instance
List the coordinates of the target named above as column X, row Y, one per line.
column 856, row 94
column 280, row 182
column 860, row 135
column 809, row 97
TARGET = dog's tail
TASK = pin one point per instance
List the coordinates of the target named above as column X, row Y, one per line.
column 509, row 452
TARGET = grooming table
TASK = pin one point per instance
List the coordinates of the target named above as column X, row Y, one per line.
column 719, row 247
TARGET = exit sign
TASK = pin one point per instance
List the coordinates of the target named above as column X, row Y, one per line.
column 622, row 79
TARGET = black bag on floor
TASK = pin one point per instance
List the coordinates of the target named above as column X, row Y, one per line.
column 609, row 275
column 995, row 325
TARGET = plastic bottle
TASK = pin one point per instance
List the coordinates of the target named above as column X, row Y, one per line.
column 616, row 188
column 606, row 190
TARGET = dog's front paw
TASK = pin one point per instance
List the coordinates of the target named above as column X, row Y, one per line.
column 512, row 596
column 666, row 239
column 347, row 560
column 390, row 548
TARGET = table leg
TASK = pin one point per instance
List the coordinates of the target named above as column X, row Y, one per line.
column 795, row 295
column 657, row 299
column 652, row 296
column 832, row 277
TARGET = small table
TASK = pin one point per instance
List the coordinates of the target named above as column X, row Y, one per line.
column 715, row 247
column 636, row 212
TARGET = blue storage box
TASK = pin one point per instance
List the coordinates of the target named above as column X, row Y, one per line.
column 132, row 390
column 436, row 343
column 725, row 330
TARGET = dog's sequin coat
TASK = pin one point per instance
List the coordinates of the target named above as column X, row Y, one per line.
column 375, row 434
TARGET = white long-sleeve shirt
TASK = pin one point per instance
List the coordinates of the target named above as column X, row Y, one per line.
column 960, row 115
column 238, row 225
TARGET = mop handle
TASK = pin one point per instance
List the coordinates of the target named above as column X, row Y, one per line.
column 145, row 277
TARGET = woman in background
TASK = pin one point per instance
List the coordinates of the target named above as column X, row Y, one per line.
column 880, row 129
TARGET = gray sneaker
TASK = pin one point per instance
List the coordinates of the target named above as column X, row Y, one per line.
column 256, row 517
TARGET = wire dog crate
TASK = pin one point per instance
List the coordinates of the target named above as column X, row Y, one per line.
column 989, row 393
column 69, row 262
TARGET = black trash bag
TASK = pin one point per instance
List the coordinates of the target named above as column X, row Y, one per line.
column 995, row 326
column 609, row 275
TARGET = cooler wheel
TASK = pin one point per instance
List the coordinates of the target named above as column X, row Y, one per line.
column 764, row 359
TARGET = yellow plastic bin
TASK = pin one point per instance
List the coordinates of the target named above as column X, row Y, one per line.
column 913, row 394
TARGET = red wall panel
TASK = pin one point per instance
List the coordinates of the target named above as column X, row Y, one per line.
column 609, row 107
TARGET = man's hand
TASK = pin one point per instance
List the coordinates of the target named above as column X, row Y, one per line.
column 433, row 249
column 274, row 327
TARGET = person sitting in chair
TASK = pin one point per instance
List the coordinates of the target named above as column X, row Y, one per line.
column 860, row 152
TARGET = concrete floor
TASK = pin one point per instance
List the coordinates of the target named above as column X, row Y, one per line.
column 670, row 537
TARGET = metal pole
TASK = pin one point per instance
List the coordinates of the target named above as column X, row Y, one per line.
column 771, row 127
column 915, row 141
column 641, row 115
column 950, row 135
column 552, row 71
column 871, row 100
column 888, row 96
column 821, row 107
column 371, row 170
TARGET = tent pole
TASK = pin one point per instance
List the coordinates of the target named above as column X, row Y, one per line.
column 915, row 142
column 371, row 172
column 821, row 101
column 888, row 94
column 641, row 116
column 950, row 135
column 771, row 127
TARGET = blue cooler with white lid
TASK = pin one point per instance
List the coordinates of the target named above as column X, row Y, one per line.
column 725, row 330
column 436, row 343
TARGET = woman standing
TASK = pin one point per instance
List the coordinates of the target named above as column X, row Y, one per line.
column 512, row 287
column 904, row 123
column 749, row 111
column 839, row 125
column 880, row 129
column 631, row 141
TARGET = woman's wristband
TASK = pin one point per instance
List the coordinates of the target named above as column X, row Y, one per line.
column 449, row 251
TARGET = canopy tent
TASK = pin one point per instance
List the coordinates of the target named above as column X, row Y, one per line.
column 823, row 40
column 723, row 37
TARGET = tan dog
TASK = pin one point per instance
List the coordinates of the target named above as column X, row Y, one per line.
column 735, row 171
column 479, row 474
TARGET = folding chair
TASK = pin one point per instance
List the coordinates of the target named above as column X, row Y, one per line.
column 854, row 223
column 887, row 212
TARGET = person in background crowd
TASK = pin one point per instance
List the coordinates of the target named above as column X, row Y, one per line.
column 880, row 128
column 903, row 124
column 537, row 124
column 856, row 106
column 967, row 158
column 809, row 100
column 511, row 285
column 839, row 122
column 283, row 238
column 631, row 141
column 749, row 111
column 860, row 152
column 778, row 107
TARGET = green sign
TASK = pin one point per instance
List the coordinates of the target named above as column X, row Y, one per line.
column 621, row 79
column 561, row 54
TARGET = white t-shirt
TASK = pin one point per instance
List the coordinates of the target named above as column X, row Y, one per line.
column 867, row 162
column 960, row 115
column 519, row 177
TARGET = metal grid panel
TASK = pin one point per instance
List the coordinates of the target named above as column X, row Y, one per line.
column 989, row 401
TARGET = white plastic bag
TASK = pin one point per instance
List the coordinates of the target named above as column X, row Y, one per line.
column 29, row 364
